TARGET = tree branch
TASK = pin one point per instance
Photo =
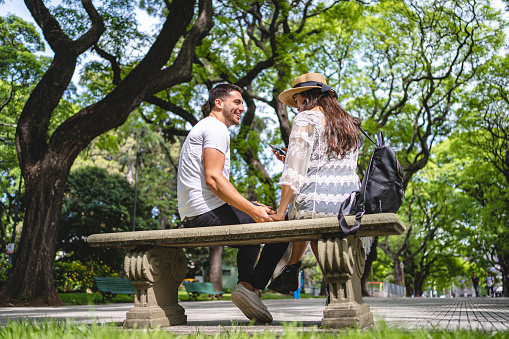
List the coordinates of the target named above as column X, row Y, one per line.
column 113, row 110
column 31, row 134
column 6, row 142
column 91, row 37
column 169, row 106
column 115, row 67
column 181, row 70
column 8, row 125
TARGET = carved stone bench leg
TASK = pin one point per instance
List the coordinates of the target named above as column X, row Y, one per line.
column 156, row 274
column 342, row 262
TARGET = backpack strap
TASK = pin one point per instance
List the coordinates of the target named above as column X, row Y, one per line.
column 342, row 222
column 358, row 217
column 367, row 136
column 380, row 137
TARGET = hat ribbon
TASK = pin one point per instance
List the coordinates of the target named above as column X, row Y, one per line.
column 325, row 88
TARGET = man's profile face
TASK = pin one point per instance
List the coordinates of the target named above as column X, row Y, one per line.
column 233, row 108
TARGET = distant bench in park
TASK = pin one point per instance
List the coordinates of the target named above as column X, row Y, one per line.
column 156, row 265
column 194, row 289
column 110, row 287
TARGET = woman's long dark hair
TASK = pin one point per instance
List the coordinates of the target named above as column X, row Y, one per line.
column 341, row 129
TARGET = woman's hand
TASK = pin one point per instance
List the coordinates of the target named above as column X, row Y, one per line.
column 286, row 195
column 280, row 157
column 279, row 216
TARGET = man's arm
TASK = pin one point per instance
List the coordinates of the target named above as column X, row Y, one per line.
column 213, row 163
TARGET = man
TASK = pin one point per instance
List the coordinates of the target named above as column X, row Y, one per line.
column 475, row 283
column 207, row 198
column 489, row 284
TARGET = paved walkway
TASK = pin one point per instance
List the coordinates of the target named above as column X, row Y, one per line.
column 487, row 314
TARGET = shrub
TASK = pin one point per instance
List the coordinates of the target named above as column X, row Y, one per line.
column 78, row 276
column 5, row 270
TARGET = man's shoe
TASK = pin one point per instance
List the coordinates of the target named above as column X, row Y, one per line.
column 288, row 280
column 250, row 304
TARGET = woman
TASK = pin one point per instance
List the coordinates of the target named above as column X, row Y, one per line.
column 320, row 166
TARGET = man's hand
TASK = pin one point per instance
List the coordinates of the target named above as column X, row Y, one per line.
column 261, row 213
column 213, row 163
column 260, row 204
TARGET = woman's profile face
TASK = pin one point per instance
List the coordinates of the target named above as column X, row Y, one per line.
column 299, row 99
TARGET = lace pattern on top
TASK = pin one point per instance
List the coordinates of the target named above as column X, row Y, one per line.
column 320, row 181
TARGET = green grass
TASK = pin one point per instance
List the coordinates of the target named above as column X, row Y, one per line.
column 95, row 298
column 60, row 329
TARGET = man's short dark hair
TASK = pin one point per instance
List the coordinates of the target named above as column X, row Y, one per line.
column 221, row 92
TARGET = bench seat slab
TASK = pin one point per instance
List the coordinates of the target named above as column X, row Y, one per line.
column 156, row 274
column 249, row 234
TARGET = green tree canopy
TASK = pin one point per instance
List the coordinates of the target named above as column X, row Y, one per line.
column 98, row 202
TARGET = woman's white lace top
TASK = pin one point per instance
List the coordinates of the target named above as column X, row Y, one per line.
column 320, row 181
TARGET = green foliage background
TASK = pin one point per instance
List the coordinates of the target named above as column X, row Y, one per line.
column 431, row 75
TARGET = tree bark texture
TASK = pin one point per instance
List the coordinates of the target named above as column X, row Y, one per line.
column 32, row 275
column 372, row 256
column 419, row 280
column 504, row 268
column 216, row 267
column 280, row 108
column 45, row 164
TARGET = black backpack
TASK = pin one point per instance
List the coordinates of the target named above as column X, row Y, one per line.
column 381, row 189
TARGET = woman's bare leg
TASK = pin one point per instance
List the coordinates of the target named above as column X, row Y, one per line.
column 298, row 249
column 314, row 248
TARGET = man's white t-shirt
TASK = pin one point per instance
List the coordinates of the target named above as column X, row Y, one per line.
column 194, row 196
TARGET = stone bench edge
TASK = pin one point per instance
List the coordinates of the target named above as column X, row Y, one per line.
column 282, row 231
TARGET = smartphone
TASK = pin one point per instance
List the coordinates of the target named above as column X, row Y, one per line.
column 278, row 150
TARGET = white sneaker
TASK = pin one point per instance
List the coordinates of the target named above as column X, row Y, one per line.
column 250, row 304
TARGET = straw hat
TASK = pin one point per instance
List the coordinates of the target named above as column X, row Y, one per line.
column 303, row 83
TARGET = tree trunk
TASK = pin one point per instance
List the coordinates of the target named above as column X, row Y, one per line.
column 280, row 108
column 163, row 222
column 367, row 268
column 419, row 279
column 2, row 234
column 397, row 271
column 504, row 268
column 216, row 267
column 44, row 187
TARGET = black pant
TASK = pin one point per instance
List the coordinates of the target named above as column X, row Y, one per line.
column 490, row 290
column 258, row 275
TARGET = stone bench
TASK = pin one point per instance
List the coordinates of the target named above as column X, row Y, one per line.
column 156, row 265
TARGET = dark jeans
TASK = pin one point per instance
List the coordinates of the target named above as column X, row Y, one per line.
column 258, row 275
column 476, row 289
column 490, row 290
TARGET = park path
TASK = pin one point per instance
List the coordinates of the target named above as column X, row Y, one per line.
column 486, row 314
